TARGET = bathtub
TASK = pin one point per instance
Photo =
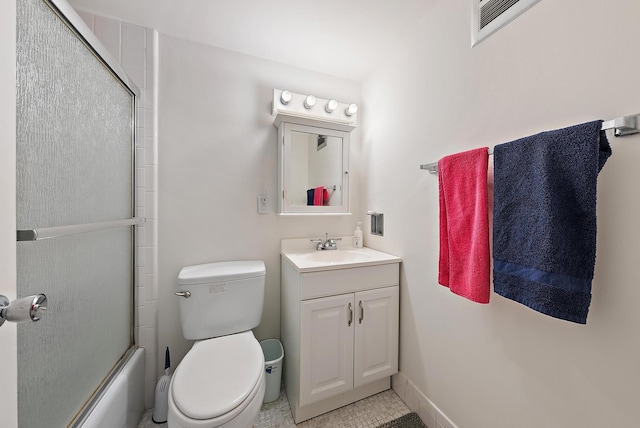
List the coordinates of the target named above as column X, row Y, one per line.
column 122, row 402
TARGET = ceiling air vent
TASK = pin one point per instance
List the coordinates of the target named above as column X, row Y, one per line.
column 488, row 16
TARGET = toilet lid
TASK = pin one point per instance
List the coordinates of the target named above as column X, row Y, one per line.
column 217, row 375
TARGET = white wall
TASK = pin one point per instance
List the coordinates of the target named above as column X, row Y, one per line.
column 503, row 365
column 299, row 181
column 217, row 152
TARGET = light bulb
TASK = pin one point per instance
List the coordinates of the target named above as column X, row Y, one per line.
column 351, row 110
column 331, row 106
column 285, row 97
column 309, row 102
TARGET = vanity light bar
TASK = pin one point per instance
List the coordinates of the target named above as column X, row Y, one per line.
column 286, row 102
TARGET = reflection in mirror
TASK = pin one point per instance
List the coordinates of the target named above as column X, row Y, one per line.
column 316, row 169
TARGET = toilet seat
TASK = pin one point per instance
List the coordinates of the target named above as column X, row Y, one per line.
column 218, row 377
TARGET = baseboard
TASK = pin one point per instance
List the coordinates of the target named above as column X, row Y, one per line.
column 419, row 403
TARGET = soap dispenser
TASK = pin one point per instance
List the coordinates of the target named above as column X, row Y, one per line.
column 357, row 236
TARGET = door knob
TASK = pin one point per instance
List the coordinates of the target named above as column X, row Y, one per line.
column 25, row 309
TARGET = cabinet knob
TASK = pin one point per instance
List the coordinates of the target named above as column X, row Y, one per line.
column 350, row 315
column 361, row 312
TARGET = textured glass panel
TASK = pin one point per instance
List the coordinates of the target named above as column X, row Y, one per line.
column 74, row 166
column 74, row 128
column 63, row 358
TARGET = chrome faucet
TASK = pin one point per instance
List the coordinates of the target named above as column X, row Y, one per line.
column 328, row 244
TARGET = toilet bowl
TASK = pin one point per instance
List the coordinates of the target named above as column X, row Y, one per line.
column 221, row 381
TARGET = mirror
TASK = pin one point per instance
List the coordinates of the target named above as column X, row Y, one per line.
column 314, row 169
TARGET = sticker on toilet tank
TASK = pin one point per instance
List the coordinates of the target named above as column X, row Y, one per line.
column 217, row 288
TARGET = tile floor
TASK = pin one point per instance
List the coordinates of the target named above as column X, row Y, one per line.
column 368, row 413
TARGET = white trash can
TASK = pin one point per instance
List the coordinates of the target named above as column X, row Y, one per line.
column 273, row 355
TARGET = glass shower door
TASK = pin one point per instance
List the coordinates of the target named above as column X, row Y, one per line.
column 75, row 131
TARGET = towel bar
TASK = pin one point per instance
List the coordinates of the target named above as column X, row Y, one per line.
column 54, row 232
column 626, row 125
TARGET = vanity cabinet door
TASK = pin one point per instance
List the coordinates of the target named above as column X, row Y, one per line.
column 376, row 335
column 326, row 347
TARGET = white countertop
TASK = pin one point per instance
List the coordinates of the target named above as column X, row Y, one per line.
column 303, row 255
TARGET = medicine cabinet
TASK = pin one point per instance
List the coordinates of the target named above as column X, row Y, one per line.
column 313, row 153
column 314, row 169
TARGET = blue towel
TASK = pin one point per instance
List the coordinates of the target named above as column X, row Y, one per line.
column 544, row 228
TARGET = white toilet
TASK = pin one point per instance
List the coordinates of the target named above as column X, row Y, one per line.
column 221, row 380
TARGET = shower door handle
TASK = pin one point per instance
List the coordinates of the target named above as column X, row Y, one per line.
column 25, row 309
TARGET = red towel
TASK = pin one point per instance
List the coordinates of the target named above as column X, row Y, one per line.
column 464, row 264
column 325, row 196
column 317, row 196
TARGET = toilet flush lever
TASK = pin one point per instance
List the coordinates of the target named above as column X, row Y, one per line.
column 25, row 309
column 185, row 294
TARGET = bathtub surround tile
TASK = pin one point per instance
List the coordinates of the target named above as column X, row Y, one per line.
column 149, row 119
column 140, row 177
column 151, row 56
column 141, row 152
column 139, row 278
column 371, row 412
column 140, row 231
column 150, row 176
column 140, row 316
column 149, row 254
column 141, row 122
column 148, row 359
column 154, row 290
column 149, row 393
column 138, row 76
column 149, row 94
column 88, row 19
column 150, row 156
column 149, row 203
column 140, row 259
column 150, row 315
column 151, row 341
column 140, row 197
column 141, row 335
column 136, row 295
column 108, row 31
column 135, row 48
column 149, row 235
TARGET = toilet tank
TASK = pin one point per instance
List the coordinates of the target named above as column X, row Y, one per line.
column 226, row 298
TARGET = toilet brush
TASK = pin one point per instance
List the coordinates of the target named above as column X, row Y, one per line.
column 161, row 407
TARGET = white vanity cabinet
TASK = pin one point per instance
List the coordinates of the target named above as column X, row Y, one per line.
column 339, row 328
column 347, row 341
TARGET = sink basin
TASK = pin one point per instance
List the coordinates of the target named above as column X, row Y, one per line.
column 350, row 255
column 310, row 260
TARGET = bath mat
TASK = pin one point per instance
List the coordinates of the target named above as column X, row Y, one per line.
column 410, row 420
